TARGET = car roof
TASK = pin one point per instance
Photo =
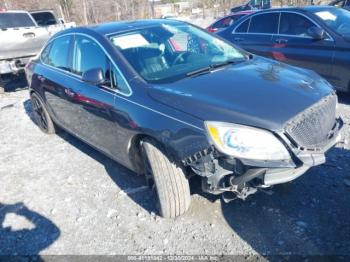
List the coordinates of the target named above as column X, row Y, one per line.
column 124, row 26
column 119, row 26
column 41, row 11
column 245, row 12
column 314, row 8
column 14, row 11
column 304, row 9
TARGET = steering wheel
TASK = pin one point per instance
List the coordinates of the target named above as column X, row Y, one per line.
column 178, row 57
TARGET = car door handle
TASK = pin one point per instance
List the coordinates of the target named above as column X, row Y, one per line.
column 69, row 92
column 29, row 35
column 41, row 78
column 238, row 39
column 281, row 41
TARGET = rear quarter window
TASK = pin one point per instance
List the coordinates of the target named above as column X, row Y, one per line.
column 224, row 22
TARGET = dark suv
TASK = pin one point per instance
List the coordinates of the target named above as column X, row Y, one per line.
column 167, row 99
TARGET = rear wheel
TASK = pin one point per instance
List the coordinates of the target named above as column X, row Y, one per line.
column 169, row 180
column 2, row 86
column 41, row 116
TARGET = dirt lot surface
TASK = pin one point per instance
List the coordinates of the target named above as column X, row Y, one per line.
column 60, row 196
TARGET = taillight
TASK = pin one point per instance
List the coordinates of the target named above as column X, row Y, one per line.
column 212, row 30
column 2, row 10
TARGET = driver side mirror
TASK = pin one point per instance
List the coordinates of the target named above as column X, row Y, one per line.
column 316, row 33
column 93, row 76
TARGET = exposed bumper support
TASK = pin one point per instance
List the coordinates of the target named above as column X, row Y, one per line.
column 283, row 175
column 225, row 174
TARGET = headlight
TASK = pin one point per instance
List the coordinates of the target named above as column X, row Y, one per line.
column 246, row 142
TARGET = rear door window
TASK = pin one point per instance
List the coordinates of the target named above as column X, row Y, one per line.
column 243, row 28
column 15, row 20
column 294, row 24
column 58, row 55
column 264, row 23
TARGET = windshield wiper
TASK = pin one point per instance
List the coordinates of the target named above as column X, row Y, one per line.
column 208, row 69
column 228, row 62
column 200, row 71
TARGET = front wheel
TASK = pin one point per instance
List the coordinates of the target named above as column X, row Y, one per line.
column 171, row 184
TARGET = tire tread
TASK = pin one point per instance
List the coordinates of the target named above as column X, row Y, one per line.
column 171, row 183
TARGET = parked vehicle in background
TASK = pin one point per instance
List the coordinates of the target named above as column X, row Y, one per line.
column 315, row 37
column 227, row 21
column 48, row 19
column 252, row 5
column 341, row 3
column 167, row 99
column 20, row 40
column 22, row 35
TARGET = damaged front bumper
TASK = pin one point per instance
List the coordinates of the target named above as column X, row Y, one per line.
column 222, row 173
column 304, row 159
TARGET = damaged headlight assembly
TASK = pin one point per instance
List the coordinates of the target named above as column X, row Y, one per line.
column 245, row 142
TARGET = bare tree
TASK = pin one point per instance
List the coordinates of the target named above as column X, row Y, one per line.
column 66, row 6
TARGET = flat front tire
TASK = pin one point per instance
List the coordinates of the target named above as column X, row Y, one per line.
column 171, row 185
column 41, row 116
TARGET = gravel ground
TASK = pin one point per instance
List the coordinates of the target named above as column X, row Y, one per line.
column 60, row 196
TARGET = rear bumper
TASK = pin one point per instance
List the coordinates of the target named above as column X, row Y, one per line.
column 13, row 66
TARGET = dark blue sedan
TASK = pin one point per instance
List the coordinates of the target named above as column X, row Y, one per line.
column 167, row 100
column 315, row 37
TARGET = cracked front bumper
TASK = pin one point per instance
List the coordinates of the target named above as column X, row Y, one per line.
column 306, row 159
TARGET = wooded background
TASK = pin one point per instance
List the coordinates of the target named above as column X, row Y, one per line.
column 97, row 11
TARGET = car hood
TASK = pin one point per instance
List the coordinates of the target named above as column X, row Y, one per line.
column 259, row 92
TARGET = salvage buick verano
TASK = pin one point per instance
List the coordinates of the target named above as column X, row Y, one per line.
column 167, row 100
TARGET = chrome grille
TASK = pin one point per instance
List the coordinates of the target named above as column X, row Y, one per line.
column 310, row 129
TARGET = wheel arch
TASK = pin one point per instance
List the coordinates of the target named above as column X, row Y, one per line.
column 135, row 154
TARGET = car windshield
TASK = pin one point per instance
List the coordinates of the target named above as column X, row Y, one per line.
column 170, row 52
column 14, row 20
column 336, row 18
